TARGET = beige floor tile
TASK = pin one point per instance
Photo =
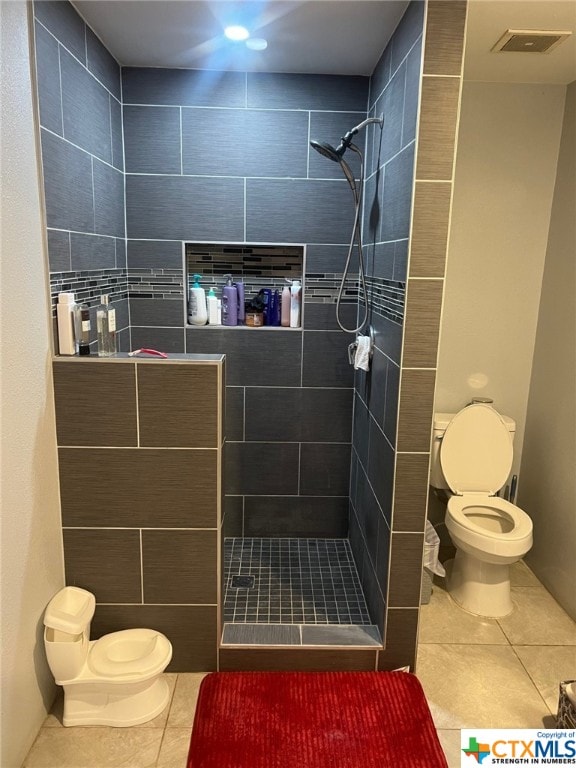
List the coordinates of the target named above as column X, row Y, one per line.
column 54, row 719
column 548, row 666
column 181, row 713
column 442, row 621
column 450, row 741
column 479, row 686
column 174, row 749
column 522, row 576
column 537, row 619
column 95, row 748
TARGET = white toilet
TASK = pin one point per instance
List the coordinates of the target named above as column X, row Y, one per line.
column 472, row 457
column 116, row 680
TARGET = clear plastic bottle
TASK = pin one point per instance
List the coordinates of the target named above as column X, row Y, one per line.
column 106, row 328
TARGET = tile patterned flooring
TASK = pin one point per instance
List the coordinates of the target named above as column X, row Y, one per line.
column 476, row 673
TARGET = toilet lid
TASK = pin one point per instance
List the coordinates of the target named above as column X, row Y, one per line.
column 476, row 452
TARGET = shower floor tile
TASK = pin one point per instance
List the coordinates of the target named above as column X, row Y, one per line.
column 296, row 581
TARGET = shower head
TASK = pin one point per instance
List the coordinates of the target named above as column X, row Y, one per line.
column 327, row 150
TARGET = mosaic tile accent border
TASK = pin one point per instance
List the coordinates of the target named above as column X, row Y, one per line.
column 88, row 285
column 297, row 581
column 387, row 298
column 155, row 283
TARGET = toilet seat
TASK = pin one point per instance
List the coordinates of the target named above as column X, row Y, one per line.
column 491, row 542
column 130, row 654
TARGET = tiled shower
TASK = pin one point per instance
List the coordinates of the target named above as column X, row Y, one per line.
column 312, row 452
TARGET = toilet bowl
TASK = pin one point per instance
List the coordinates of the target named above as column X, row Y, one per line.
column 116, row 680
column 474, row 453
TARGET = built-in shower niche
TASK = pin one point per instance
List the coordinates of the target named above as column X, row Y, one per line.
column 257, row 266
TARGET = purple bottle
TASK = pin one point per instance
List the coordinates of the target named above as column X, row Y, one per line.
column 229, row 303
column 241, row 305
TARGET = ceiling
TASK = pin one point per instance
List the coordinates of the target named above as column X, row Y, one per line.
column 342, row 37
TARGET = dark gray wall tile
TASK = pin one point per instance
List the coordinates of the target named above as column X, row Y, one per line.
column 233, row 518
column 407, row 32
column 152, row 139
column 234, row 413
column 67, row 185
column 326, row 258
column 360, row 433
column 108, row 200
column 300, row 516
column 383, row 556
column 336, row 93
column 121, row 254
column 411, row 491
column 324, row 469
column 383, row 265
column 392, row 394
column 294, row 414
column 374, row 599
column 381, row 74
column 92, row 251
column 64, row 23
column 178, row 405
column 59, row 250
column 329, row 128
column 405, row 569
column 388, row 336
column 152, row 488
column 411, row 95
column 191, row 629
column 320, row 211
column 179, row 566
column 162, row 339
column 229, row 142
column 102, row 64
column 151, row 254
column 160, row 312
column 254, row 357
column 117, row 135
column 322, row 317
column 184, row 87
column 397, row 195
column 445, row 27
column 325, row 361
column 105, row 562
column 390, row 105
column 184, row 208
column 261, row 469
column 381, row 468
column 376, row 399
column 95, row 404
column 86, row 109
column 400, row 260
column 48, row 75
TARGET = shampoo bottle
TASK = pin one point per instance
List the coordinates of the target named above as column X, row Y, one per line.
column 212, row 303
column 197, row 310
column 295, row 301
column 65, row 314
column 106, row 328
column 241, row 305
column 285, row 321
column 229, row 303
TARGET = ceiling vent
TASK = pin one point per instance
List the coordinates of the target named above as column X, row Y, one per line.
column 530, row 40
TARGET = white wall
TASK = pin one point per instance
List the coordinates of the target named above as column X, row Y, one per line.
column 504, row 182
column 32, row 566
column 548, row 490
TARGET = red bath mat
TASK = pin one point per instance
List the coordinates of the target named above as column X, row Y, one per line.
column 313, row 720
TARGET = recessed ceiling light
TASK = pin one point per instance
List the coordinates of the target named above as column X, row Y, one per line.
column 236, row 33
column 257, row 44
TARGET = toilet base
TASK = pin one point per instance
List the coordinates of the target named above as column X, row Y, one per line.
column 478, row 587
column 117, row 704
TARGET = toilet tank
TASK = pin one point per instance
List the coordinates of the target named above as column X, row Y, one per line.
column 441, row 421
column 67, row 631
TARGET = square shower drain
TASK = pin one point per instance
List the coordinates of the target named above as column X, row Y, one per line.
column 243, row 582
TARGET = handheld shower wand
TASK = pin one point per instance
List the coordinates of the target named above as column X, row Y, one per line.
column 337, row 156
